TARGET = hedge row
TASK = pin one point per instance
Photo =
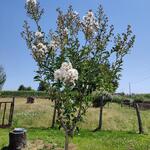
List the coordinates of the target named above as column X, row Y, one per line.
column 39, row 94
column 119, row 98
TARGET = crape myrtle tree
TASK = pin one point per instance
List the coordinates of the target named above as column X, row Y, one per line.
column 73, row 59
column 2, row 77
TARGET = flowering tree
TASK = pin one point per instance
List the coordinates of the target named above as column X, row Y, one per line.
column 2, row 77
column 76, row 59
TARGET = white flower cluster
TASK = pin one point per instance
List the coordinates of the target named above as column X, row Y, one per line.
column 31, row 1
column 54, row 44
column 66, row 73
column 38, row 34
column 42, row 46
column 89, row 22
column 75, row 14
column 65, row 32
column 39, row 50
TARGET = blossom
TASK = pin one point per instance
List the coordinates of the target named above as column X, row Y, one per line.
column 76, row 13
column 57, row 75
column 34, row 48
column 53, row 44
column 38, row 54
column 42, row 47
column 66, row 66
column 65, row 31
column 66, row 74
column 39, row 51
column 32, row 1
column 38, row 34
column 90, row 14
column 90, row 24
column 71, row 76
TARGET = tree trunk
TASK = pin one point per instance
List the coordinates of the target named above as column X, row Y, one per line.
column 139, row 119
column 54, row 116
column 66, row 141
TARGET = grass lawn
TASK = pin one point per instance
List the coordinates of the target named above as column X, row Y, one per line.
column 119, row 128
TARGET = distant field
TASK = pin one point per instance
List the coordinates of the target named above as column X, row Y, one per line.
column 119, row 127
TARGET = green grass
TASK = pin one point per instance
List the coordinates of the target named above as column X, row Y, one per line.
column 87, row 140
column 119, row 127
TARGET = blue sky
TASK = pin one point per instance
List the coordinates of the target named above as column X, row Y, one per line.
column 20, row 67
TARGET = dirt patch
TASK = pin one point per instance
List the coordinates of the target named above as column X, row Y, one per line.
column 40, row 145
column 72, row 147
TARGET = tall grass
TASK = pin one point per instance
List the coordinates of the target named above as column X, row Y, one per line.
column 115, row 117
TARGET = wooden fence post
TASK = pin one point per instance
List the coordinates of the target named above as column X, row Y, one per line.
column 11, row 111
column 4, row 108
column 3, row 119
column 139, row 119
column 54, row 115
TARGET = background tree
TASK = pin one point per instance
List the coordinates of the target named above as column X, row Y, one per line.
column 88, row 45
column 42, row 86
column 23, row 88
column 2, row 77
column 29, row 88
